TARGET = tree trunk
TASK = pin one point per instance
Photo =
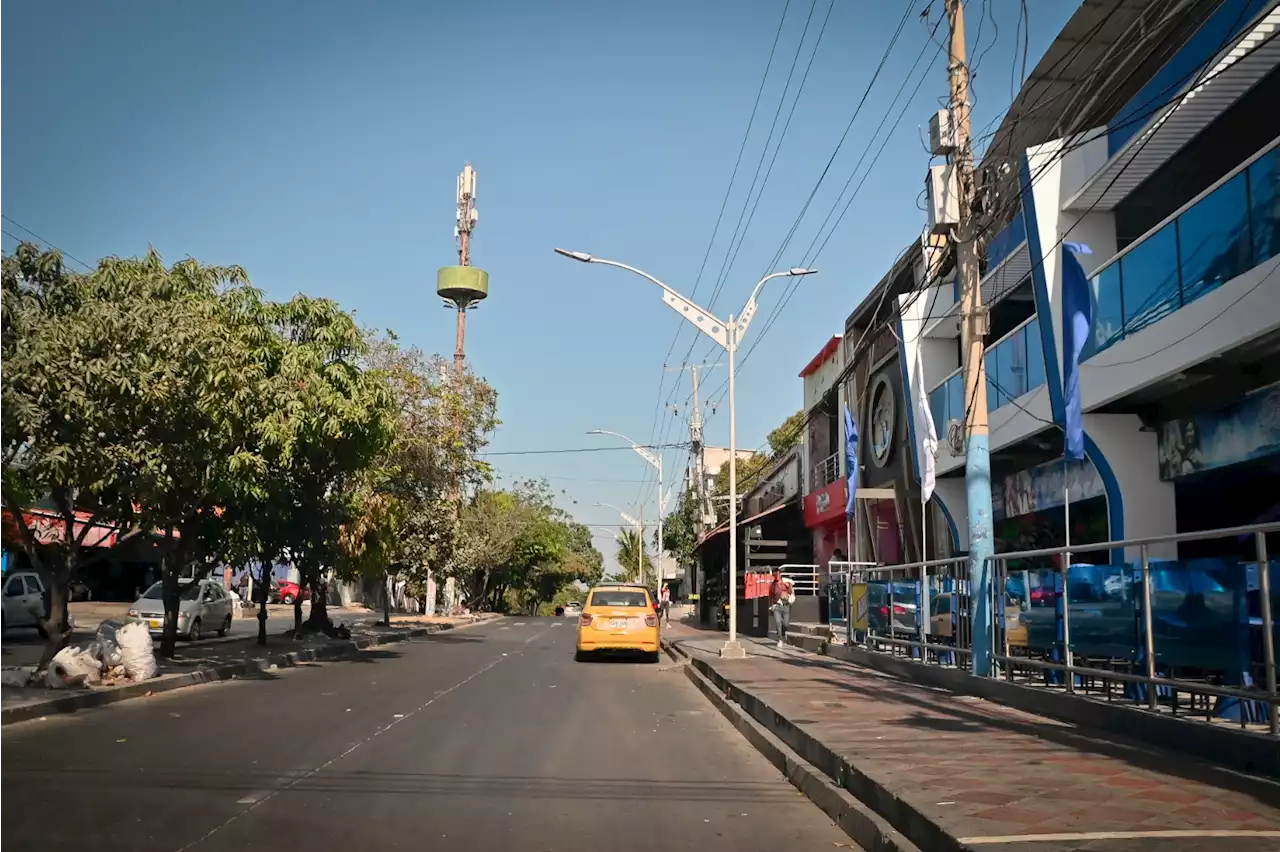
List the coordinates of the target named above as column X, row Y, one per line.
column 387, row 581
column 169, row 577
column 319, row 618
column 265, row 592
column 54, row 621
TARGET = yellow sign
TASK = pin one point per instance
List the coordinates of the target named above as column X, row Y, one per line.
column 858, row 605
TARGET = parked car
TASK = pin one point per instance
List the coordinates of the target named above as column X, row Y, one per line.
column 291, row 591
column 23, row 600
column 201, row 606
column 572, row 609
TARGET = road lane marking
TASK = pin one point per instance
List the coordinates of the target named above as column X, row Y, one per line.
column 1069, row 837
column 270, row 794
column 519, row 624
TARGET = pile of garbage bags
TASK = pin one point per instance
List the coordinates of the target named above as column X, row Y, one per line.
column 120, row 650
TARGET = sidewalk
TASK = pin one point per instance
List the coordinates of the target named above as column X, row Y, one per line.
column 955, row 772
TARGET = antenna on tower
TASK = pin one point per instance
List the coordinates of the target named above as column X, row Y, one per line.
column 463, row 286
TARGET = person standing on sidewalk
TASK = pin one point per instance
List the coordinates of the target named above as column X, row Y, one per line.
column 782, row 595
column 664, row 604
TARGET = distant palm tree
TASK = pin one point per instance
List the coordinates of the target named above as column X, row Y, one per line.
column 629, row 556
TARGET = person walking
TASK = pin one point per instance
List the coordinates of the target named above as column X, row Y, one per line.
column 782, row 595
column 664, row 604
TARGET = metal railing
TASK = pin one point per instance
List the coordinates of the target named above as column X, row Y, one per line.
column 1155, row 684
column 912, row 623
column 826, row 471
column 805, row 579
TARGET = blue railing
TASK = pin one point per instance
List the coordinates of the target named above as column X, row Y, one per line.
column 1228, row 232
column 1014, row 366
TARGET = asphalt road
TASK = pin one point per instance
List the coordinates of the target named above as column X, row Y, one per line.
column 488, row 738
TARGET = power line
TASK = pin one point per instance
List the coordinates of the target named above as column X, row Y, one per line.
column 582, row 450
column 41, row 239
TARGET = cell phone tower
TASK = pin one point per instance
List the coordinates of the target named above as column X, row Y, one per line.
column 463, row 286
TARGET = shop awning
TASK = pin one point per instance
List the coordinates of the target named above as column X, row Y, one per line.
column 724, row 528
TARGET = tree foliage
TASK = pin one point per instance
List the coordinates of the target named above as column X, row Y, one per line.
column 518, row 550
column 780, row 441
column 632, row 553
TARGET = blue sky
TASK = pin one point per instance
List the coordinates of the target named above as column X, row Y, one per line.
column 317, row 144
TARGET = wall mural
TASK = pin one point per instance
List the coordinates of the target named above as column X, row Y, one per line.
column 1244, row 431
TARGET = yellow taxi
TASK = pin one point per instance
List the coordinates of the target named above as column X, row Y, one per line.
column 618, row 617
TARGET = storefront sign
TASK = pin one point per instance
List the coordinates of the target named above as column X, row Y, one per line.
column 825, row 505
column 49, row 528
column 1247, row 430
column 858, row 600
column 1045, row 487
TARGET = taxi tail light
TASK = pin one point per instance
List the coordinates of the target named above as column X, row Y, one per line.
column 651, row 621
column 585, row 620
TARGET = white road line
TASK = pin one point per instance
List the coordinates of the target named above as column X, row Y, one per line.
column 1114, row 835
column 270, row 794
column 519, row 624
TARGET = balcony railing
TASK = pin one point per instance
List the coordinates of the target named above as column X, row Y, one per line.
column 1015, row 365
column 1225, row 233
column 826, row 471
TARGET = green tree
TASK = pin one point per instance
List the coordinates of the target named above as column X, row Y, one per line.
column 632, row 553
column 780, row 441
column 331, row 419
column 71, row 346
column 680, row 530
column 405, row 502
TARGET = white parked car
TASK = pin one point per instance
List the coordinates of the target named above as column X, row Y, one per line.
column 573, row 609
column 23, row 598
column 203, row 607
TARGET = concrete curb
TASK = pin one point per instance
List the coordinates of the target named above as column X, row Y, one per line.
column 866, row 828
column 112, row 695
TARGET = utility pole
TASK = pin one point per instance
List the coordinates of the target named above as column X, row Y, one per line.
column 977, row 462
column 640, row 549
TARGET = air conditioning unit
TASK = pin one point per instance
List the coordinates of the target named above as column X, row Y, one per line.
column 942, row 199
column 955, row 437
column 942, row 133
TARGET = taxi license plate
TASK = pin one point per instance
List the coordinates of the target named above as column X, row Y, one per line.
column 154, row 624
column 618, row 624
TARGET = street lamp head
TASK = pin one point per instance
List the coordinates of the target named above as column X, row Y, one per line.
column 595, row 431
column 574, row 255
column 795, row 270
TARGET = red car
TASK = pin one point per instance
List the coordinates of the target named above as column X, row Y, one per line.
column 290, row 592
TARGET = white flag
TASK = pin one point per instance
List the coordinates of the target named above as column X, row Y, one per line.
column 928, row 434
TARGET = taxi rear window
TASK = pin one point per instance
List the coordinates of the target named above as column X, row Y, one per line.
column 619, row 597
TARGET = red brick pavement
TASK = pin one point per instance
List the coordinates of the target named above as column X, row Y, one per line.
column 978, row 769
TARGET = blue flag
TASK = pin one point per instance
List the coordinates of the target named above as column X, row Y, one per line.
column 1077, row 325
column 851, row 458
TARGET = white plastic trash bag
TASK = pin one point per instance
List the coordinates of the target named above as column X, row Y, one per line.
column 137, row 651
column 110, row 643
column 73, row 668
column 14, row 677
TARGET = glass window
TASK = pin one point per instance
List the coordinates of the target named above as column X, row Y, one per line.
column 33, row 586
column 1012, row 364
column 955, row 399
column 620, row 598
column 1264, row 200
column 938, row 408
column 1035, row 355
column 1213, row 239
column 1149, row 277
column 1108, row 314
column 995, row 398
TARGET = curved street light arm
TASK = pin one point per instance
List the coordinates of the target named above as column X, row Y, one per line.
column 703, row 320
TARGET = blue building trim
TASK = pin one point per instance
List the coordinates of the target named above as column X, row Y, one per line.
column 951, row 523
column 1115, row 497
column 1044, row 305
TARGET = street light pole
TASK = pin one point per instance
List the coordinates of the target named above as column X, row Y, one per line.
column 727, row 335
column 654, row 459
